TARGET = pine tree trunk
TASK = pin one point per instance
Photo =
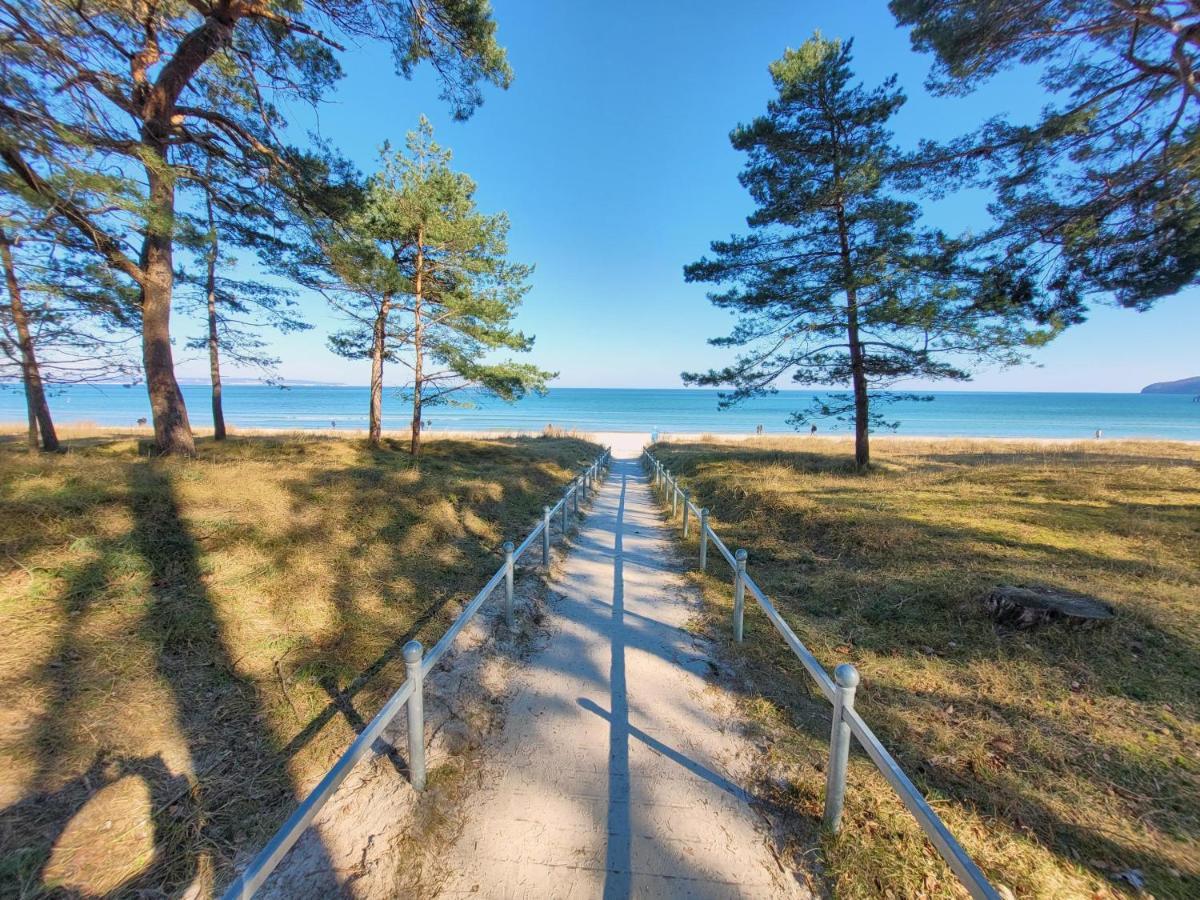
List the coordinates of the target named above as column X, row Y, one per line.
column 31, row 438
column 858, row 369
column 214, row 369
column 172, row 431
column 378, row 348
column 31, row 376
column 214, row 347
column 418, row 348
column 862, row 433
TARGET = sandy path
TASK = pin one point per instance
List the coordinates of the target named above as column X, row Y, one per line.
column 611, row 776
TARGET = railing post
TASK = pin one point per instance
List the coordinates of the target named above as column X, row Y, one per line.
column 739, row 594
column 416, row 715
column 704, row 539
column 575, row 494
column 846, row 677
column 674, row 499
column 508, row 584
column 546, row 538
column 687, row 496
column 565, row 511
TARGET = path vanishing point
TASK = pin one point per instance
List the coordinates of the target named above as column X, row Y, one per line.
column 611, row 775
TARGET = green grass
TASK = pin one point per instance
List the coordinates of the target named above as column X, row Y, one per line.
column 1060, row 758
column 186, row 646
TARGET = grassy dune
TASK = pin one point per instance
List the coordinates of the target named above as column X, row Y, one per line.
column 1067, row 762
column 186, row 645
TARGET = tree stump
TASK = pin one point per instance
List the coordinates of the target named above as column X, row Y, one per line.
column 1030, row 606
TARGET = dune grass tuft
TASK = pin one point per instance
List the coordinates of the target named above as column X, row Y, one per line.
column 1067, row 762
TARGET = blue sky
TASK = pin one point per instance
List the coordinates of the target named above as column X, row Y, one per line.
column 610, row 153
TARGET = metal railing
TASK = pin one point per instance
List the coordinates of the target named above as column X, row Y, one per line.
column 418, row 665
column 838, row 690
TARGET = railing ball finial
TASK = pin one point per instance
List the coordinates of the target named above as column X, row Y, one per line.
column 846, row 676
column 412, row 652
column 741, row 555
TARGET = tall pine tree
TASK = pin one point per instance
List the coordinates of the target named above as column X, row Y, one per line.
column 837, row 284
column 236, row 311
column 424, row 280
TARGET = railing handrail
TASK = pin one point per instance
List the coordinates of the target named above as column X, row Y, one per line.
column 935, row 829
column 260, row 868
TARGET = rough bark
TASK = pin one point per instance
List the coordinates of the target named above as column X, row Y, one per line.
column 214, row 347
column 418, row 348
column 378, row 350
column 172, row 431
column 31, row 377
column 858, row 374
column 155, row 102
column 31, row 434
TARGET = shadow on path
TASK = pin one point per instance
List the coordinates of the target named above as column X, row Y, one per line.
column 617, row 858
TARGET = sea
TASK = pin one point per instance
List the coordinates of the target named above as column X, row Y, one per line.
column 948, row 413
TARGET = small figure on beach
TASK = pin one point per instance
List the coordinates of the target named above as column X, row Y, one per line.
column 333, row 424
column 142, row 421
column 1099, row 434
column 758, row 430
column 812, row 429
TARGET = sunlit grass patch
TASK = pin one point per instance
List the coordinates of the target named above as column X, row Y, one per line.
column 1068, row 762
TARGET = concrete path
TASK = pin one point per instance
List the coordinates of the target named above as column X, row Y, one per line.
column 611, row 776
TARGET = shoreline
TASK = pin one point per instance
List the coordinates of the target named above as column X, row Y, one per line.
column 627, row 440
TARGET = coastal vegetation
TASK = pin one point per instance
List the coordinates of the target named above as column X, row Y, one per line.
column 193, row 630
column 1067, row 762
column 838, row 283
column 139, row 140
column 116, row 117
column 188, row 645
column 423, row 279
column 238, row 312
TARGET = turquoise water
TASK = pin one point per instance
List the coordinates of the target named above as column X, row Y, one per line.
column 612, row 409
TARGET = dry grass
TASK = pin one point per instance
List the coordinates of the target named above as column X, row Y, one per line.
column 1067, row 762
column 187, row 645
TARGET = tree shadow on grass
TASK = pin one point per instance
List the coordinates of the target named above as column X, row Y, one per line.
column 203, row 811
column 244, row 779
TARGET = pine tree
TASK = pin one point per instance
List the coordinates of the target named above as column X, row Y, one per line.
column 837, row 284
column 64, row 322
column 424, row 281
column 236, row 311
column 133, row 93
column 1100, row 188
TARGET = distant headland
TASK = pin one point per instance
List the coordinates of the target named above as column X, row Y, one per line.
column 1182, row 386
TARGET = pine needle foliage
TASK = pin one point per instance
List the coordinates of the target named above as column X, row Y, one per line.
column 837, row 282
